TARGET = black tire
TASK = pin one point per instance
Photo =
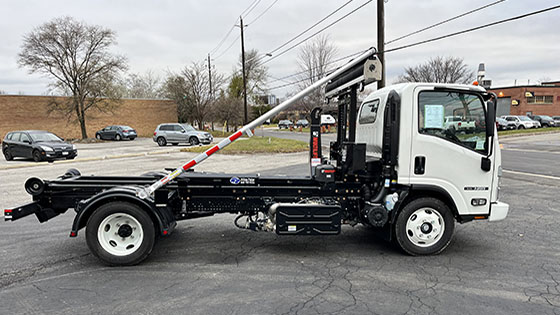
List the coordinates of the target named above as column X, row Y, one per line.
column 175, row 143
column 7, row 155
column 431, row 207
column 194, row 141
column 118, row 137
column 37, row 156
column 70, row 157
column 124, row 208
column 161, row 141
column 521, row 127
column 98, row 136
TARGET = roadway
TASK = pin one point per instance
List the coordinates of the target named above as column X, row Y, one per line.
column 207, row 266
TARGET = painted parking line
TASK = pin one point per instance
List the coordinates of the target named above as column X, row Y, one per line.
column 532, row 174
column 529, row 150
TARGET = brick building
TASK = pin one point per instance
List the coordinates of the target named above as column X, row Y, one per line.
column 21, row 112
column 541, row 99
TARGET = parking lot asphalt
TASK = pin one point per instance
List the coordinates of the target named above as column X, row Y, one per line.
column 207, row 266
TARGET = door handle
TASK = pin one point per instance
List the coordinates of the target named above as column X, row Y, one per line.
column 419, row 165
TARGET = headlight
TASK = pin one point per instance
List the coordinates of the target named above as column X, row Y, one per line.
column 74, row 147
column 45, row 148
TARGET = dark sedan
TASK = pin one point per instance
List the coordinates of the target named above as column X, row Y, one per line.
column 117, row 132
column 36, row 144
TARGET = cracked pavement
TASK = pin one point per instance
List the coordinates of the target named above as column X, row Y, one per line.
column 207, row 266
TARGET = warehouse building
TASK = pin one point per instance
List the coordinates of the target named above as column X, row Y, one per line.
column 543, row 99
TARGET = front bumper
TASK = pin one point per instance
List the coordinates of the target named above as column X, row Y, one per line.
column 49, row 155
column 498, row 211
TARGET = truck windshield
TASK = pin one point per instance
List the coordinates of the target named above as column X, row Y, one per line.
column 469, row 131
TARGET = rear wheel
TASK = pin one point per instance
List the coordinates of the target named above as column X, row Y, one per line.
column 193, row 141
column 175, row 143
column 8, row 155
column 37, row 156
column 161, row 141
column 425, row 226
column 120, row 233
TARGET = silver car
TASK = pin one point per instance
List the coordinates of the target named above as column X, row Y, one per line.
column 175, row 133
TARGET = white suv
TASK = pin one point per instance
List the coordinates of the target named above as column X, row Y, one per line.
column 521, row 122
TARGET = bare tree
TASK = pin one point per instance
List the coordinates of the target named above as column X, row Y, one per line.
column 191, row 91
column 147, row 85
column 256, row 73
column 313, row 60
column 439, row 70
column 77, row 57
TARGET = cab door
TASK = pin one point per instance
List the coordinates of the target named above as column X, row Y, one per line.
column 448, row 159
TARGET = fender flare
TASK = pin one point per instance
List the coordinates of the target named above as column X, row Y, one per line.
column 163, row 222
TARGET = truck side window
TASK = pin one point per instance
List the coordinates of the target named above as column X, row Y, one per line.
column 368, row 114
column 458, row 117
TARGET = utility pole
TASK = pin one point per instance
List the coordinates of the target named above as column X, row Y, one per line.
column 210, row 77
column 381, row 40
column 246, row 116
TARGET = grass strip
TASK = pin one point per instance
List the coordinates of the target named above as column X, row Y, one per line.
column 258, row 145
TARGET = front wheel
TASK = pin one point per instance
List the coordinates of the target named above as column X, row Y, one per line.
column 118, row 137
column 161, row 141
column 37, row 156
column 425, row 226
column 120, row 234
column 193, row 141
column 521, row 127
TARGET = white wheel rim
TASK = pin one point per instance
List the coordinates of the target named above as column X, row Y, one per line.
column 425, row 227
column 120, row 234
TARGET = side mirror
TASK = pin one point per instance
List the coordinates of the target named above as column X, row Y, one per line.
column 490, row 116
column 183, row 130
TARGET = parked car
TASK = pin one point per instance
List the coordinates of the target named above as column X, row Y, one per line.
column 556, row 120
column 521, row 122
column 544, row 120
column 176, row 133
column 327, row 120
column 117, row 132
column 302, row 123
column 457, row 123
column 503, row 124
column 286, row 124
column 39, row 145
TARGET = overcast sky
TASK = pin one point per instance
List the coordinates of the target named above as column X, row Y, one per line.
column 165, row 35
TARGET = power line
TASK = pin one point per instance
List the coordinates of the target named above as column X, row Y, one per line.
column 473, row 29
column 256, row 4
column 326, row 64
column 228, row 48
column 265, row 10
column 223, row 40
column 252, row 3
column 445, row 21
column 319, row 31
column 447, row 36
column 311, row 27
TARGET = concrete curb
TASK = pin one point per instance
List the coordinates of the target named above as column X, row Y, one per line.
column 98, row 158
column 518, row 135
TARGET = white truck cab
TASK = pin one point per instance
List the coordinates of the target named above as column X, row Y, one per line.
column 464, row 167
